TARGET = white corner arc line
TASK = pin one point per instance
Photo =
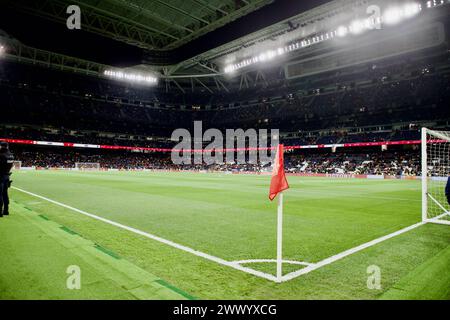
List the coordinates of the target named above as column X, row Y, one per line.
column 156, row 238
column 348, row 252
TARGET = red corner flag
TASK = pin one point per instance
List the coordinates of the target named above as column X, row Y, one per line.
column 278, row 182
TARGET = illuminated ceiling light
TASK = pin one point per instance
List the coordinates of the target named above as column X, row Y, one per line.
column 132, row 77
column 411, row 9
column 372, row 23
column 270, row 54
column 434, row 3
column 357, row 27
column 262, row 57
column 393, row 16
column 2, row 50
column 229, row 69
column 342, row 31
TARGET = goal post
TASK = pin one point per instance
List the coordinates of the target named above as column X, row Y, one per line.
column 87, row 166
column 17, row 165
column 435, row 173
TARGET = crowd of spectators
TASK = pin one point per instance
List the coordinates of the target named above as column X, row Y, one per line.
column 398, row 93
column 376, row 163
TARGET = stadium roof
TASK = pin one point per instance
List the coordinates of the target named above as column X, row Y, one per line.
column 165, row 30
column 152, row 25
column 187, row 42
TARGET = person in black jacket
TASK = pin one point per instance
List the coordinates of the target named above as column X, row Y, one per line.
column 447, row 190
column 6, row 163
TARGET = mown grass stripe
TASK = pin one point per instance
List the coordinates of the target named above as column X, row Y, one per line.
column 68, row 230
column 175, row 289
column 108, row 252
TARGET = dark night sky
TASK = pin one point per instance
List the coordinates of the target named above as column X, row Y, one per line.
column 44, row 34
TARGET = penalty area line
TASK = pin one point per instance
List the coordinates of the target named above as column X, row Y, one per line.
column 156, row 238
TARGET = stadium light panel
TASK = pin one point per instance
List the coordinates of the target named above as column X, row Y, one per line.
column 342, row 31
column 2, row 50
column 434, row 3
column 132, row 77
column 411, row 9
column 393, row 15
column 357, row 27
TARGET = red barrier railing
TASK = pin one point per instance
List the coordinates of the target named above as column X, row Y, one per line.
column 111, row 147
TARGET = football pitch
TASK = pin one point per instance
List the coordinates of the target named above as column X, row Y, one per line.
column 199, row 234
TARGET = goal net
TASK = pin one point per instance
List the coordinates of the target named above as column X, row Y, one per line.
column 87, row 166
column 17, row 165
column 435, row 173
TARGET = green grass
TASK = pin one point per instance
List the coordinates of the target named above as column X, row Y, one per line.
column 229, row 216
column 37, row 252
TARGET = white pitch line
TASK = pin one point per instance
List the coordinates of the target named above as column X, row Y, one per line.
column 272, row 260
column 159, row 239
column 234, row 264
column 346, row 253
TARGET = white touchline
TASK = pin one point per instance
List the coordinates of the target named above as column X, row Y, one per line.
column 236, row 264
column 159, row 239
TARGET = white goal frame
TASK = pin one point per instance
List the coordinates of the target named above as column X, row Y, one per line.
column 17, row 165
column 87, row 166
column 428, row 197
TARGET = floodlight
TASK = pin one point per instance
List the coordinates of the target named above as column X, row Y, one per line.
column 393, row 15
column 411, row 9
column 262, row 57
column 133, row 77
column 230, row 68
column 342, row 31
column 357, row 26
column 270, row 54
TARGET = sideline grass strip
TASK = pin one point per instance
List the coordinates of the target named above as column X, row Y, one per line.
column 171, row 287
column 39, row 251
column 108, row 252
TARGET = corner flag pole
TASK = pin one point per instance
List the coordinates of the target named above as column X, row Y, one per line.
column 278, row 184
column 280, row 238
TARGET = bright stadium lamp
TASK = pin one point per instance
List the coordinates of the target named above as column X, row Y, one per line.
column 342, row 31
column 229, row 69
column 393, row 15
column 411, row 9
column 262, row 57
column 132, row 77
column 2, row 50
column 357, row 26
